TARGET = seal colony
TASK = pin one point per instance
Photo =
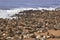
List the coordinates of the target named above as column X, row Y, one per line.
column 31, row 25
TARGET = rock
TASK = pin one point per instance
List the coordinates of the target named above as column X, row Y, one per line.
column 32, row 35
column 43, row 38
column 9, row 38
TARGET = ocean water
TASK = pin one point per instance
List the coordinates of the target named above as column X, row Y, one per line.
column 11, row 7
column 8, row 4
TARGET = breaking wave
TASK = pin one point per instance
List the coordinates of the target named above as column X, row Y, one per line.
column 8, row 13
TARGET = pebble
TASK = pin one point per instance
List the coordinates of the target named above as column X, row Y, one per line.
column 29, row 25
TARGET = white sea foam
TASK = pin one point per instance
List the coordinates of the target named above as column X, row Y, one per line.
column 8, row 13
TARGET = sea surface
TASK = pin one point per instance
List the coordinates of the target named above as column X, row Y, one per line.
column 8, row 4
column 11, row 7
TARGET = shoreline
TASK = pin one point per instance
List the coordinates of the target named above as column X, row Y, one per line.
column 7, row 13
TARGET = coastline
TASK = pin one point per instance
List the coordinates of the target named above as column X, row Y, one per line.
column 7, row 13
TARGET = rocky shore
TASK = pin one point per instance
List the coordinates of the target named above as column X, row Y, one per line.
column 31, row 25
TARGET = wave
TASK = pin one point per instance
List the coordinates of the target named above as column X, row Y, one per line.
column 8, row 13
